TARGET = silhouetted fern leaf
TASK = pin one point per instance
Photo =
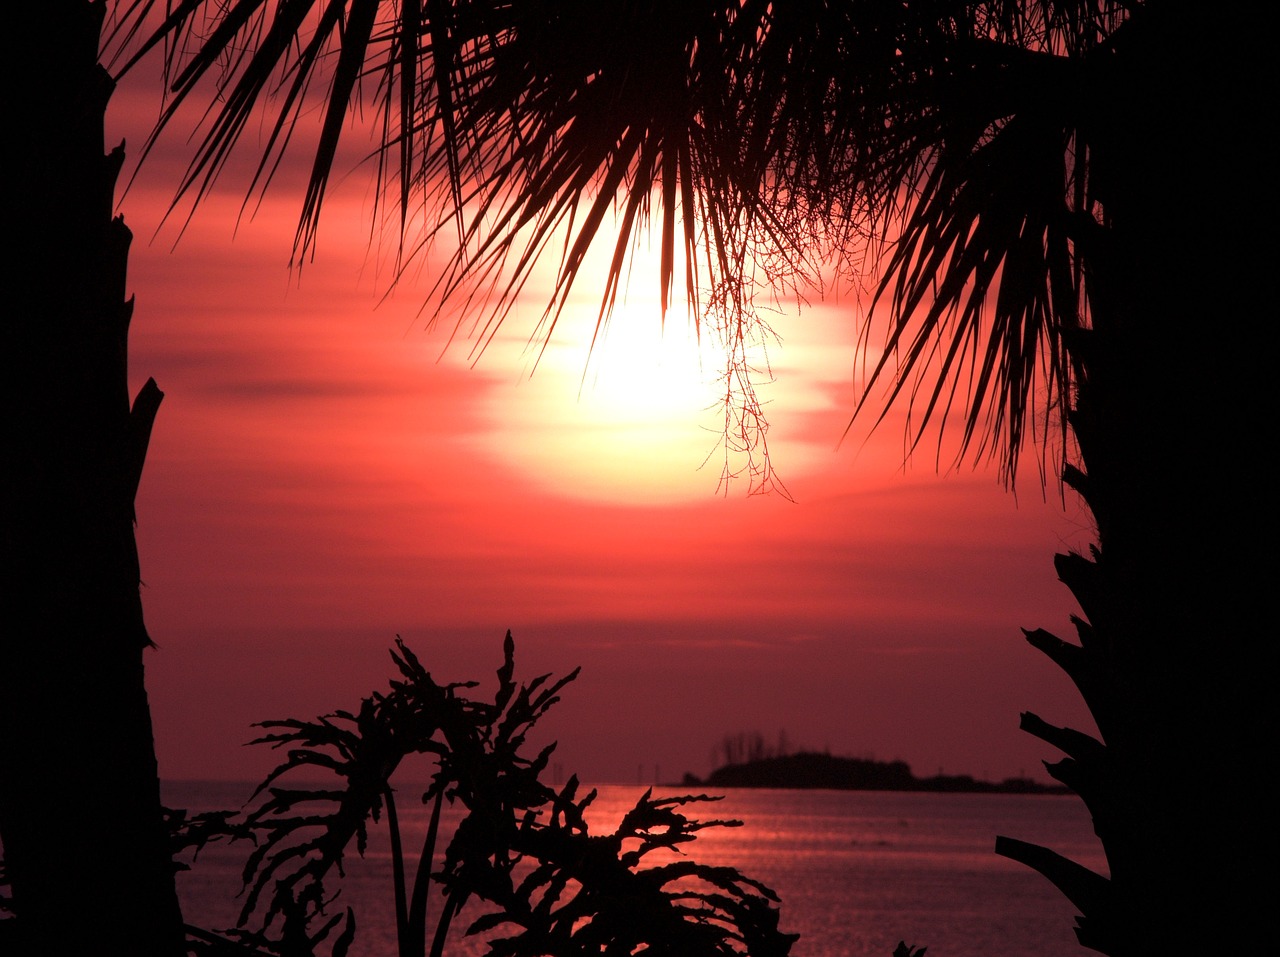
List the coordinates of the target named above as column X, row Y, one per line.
column 521, row 848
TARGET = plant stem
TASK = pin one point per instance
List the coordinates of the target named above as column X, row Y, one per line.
column 422, row 881
column 397, row 873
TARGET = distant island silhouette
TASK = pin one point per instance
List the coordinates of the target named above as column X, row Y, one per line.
column 813, row 770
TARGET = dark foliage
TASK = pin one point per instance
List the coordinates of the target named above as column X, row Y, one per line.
column 523, row 851
column 948, row 143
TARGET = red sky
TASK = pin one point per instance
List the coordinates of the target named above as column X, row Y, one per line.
column 326, row 473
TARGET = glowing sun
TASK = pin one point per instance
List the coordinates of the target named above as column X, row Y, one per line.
column 631, row 418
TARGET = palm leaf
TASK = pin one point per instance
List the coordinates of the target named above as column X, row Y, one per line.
column 952, row 136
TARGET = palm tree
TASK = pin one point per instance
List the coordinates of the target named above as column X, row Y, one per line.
column 1053, row 194
column 85, row 843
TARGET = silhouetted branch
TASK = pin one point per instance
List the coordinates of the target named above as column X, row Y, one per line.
column 1077, row 744
column 142, row 417
column 1089, row 892
column 1068, row 657
column 1081, row 576
column 1075, row 478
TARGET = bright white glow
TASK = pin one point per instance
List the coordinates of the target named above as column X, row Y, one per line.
column 632, row 419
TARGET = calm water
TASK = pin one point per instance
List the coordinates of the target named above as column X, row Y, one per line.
column 856, row 871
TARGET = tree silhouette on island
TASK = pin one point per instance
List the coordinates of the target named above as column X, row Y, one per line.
column 1064, row 199
column 814, row 769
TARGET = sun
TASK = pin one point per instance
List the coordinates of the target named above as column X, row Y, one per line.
column 634, row 416
column 645, row 372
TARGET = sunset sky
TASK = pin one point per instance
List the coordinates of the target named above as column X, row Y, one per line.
column 327, row 472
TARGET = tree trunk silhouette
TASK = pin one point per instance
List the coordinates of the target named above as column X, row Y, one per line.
column 84, row 839
column 1166, row 658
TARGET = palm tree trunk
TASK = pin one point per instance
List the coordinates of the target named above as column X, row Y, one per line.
column 80, row 816
column 1167, row 657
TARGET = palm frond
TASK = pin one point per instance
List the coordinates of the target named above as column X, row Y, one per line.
column 954, row 136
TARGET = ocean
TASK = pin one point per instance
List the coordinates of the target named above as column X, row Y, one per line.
column 856, row 871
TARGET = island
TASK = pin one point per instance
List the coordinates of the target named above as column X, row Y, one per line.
column 814, row 770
